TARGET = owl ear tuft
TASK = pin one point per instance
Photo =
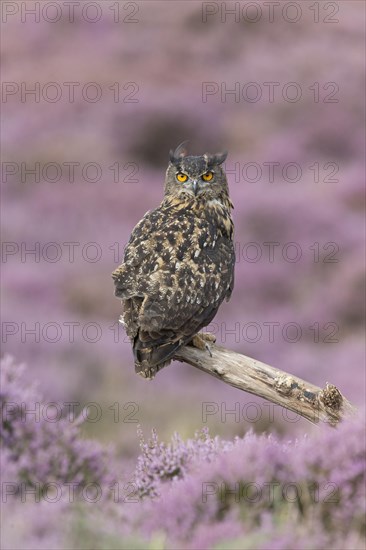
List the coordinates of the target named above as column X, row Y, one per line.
column 180, row 152
column 215, row 159
column 219, row 158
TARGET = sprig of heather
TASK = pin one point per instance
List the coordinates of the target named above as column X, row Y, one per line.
column 161, row 462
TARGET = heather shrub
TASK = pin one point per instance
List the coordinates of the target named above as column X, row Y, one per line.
column 269, row 490
column 39, row 447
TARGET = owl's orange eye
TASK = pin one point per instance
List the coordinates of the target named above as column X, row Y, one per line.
column 207, row 176
column 181, row 177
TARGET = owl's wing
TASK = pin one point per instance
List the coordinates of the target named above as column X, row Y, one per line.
column 171, row 282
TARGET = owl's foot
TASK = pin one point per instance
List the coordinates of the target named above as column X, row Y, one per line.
column 147, row 373
column 203, row 341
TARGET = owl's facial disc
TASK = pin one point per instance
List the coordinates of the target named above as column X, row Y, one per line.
column 198, row 177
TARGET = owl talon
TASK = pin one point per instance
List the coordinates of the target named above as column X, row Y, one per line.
column 201, row 341
column 209, row 349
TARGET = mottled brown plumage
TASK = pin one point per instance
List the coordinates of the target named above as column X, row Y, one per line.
column 179, row 263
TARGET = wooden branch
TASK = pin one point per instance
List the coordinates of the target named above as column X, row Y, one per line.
column 317, row 405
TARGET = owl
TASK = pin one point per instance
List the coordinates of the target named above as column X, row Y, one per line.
column 179, row 262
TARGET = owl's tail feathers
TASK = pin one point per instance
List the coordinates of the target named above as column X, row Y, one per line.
column 150, row 357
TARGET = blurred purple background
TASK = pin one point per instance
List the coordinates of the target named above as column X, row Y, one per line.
column 162, row 79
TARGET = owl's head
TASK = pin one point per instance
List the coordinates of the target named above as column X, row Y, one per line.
column 196, row 177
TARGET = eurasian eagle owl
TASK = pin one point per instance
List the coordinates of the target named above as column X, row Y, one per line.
column 179, row 262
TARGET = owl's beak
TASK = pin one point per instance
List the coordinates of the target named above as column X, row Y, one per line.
column 195, row 186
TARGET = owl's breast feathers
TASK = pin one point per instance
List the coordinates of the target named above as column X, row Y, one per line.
column 178, row 268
